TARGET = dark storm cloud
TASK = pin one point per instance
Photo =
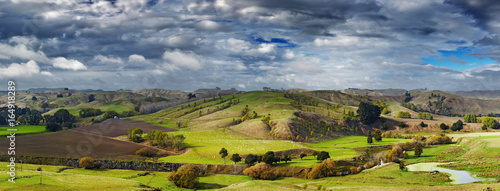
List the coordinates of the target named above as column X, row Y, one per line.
column 485, row 12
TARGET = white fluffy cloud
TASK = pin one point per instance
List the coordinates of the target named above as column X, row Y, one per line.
column 22, row 70
column 337, row 41
column 136, row 58
column 179, row 59
column 61, row 62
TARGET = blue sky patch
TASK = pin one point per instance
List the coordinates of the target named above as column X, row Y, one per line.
column 459, row 59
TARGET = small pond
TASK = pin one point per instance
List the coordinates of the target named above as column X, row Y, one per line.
column 458, row 176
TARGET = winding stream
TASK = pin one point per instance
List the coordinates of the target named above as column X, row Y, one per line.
column 458, row 176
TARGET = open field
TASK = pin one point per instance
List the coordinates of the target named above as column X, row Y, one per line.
column 23, row 129
column 73, row 144
column 117, row 127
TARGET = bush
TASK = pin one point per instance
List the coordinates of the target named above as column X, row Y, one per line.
column 325, row 169
column 261, row 171
column 490, row 122
column 403, row 114
column 135, row 135
column 438, row 139
column 184, row 177
column 146, row 152
column 110, row 114
column 86, row 162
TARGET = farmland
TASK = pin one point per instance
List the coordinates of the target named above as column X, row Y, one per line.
column 209, row 125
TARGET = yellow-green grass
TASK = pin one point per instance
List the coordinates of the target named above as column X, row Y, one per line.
column 207, row 144
column 355, row 142
column 100, row 179
column 22, row 129
column 491, row 141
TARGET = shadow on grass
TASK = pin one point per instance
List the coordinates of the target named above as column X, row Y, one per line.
column 206, row 186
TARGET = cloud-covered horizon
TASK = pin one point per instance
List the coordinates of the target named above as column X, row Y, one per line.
column 447, row 45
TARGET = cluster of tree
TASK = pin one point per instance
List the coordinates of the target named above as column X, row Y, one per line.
column 301, row 99
column 410, row 106
column 350, row 116
column 162, row 139
column 89, row 112
column 7, row 113
column 61, row 118
column 490, row 122
column 402, row 124
column 135, row 135
column 368, row 113
column 470, row 118
column 403, row 114
column 426, row 116
column 32, row 117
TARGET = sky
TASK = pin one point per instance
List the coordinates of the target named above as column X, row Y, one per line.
column 450, row 45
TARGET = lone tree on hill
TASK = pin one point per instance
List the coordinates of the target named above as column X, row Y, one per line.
column 236, row 158
column 369, row 139
column 368, row 113
column 223, row 154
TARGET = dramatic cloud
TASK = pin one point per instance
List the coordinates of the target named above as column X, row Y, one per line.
column 191, row 44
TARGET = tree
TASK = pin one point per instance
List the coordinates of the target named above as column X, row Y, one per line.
column 443, row 126
column 251, row 159
column 369, row 139
column 236, row 158
column 402, row 165
column 377, row 135
column 418, row 150
column 34, row 98
column 91, row 98
column 385, row 111
column 191, row 95
column 490, row 122
column 368, row 113
column 223, row 154
column 384, row 126
column 402, row 124
column 269, row 158
column 422, row 124
column 286, row 158
column 184, row 177
column 86, row 162
column 135, row 135
column 302, row 155
column 457, row 126
column 63, row 115
column 52, row 127
column 403, row 114
column 322, row 156
column 315, row 153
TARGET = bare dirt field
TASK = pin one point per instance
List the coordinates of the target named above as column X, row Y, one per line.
column 94, row 141
column 117, row 127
